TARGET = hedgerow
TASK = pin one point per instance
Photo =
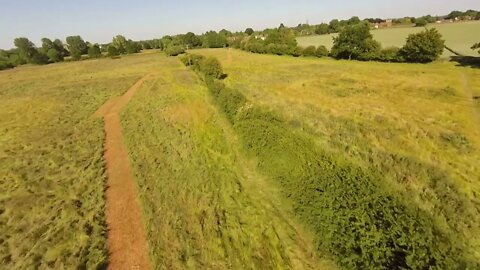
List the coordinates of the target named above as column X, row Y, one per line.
column 353, row 214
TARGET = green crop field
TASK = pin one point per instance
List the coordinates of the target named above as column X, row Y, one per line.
column 287, row 163
column 459, row 36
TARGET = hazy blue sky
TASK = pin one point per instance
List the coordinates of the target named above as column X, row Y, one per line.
column 99, row 21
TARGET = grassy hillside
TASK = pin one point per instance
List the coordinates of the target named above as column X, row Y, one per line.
column 51, row 161
column 459, row 36
column 204, row 204
column 414, row 129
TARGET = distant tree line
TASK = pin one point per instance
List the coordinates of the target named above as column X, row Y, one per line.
column 74, row 49
column 335, row 25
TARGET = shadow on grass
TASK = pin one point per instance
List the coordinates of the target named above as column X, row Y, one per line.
column 223, row 76
column 466, row 61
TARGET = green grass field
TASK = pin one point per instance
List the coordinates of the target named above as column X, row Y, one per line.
column 228, row 183
column 459, row 36
column 52, row 176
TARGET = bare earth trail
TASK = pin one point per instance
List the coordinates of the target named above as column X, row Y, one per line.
column 127, row 245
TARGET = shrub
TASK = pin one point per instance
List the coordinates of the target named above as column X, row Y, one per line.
column 389, row 54
column 309, row 51
column 321, row 51
column 423, row 47
column 5, row 64
column 211, row 67
column 174, row 50
column 94, row 51
column 191, row 59
column 296, row 51
column 112, row 51
column 39, row 58
column 421, row 22
column 355, row 42
column 54, row 56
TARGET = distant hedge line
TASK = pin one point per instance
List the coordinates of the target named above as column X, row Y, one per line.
column 353, row 215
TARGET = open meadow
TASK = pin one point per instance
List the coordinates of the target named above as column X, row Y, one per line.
column 458, row 36
column 52, row 175
column 286, row 163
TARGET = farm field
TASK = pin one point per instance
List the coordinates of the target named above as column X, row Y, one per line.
column 287, row 163
column 458, row 36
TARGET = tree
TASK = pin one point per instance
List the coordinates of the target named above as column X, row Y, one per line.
column 174, row 50
column 58, row 45
column 39, row 58
column 26, row 48
column 423, row 47
column 120, row 42
column 282, row 36
column 249, row 31
column 225, row 33
column 112, row 51
column 421, row 22
column 132, row 47
column 355, row 42
column 322, row 29
column 191, row 40
column 309, row 51
column 94, row 51
column 54, row 56
column 354, row 20
column 210, row 66
column 454, row 14
column 77, row 47
column 334, row 26
column 212, row 39
column 321, row 51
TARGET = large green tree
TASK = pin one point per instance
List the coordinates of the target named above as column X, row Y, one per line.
column 355, row 42
column 423, row 47
column 26, row 48
column 120, row 42
column 76, row 47
column 249, row 31
column 213, row 39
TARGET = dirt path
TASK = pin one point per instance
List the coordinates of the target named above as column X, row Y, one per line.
column 127, row 245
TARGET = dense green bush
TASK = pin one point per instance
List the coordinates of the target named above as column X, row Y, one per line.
column 174, row 50
column 321, row 51
column 296, row 51
column 5, row 63
column 211, row 67
column 355, row 217
column 423, row 47
column 112, row 51
column 309, row 51
column 389, row 54
column 421, row 22
column 94, row 51
column 191, row 59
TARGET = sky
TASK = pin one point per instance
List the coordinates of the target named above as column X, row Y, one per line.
column 98, row 21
